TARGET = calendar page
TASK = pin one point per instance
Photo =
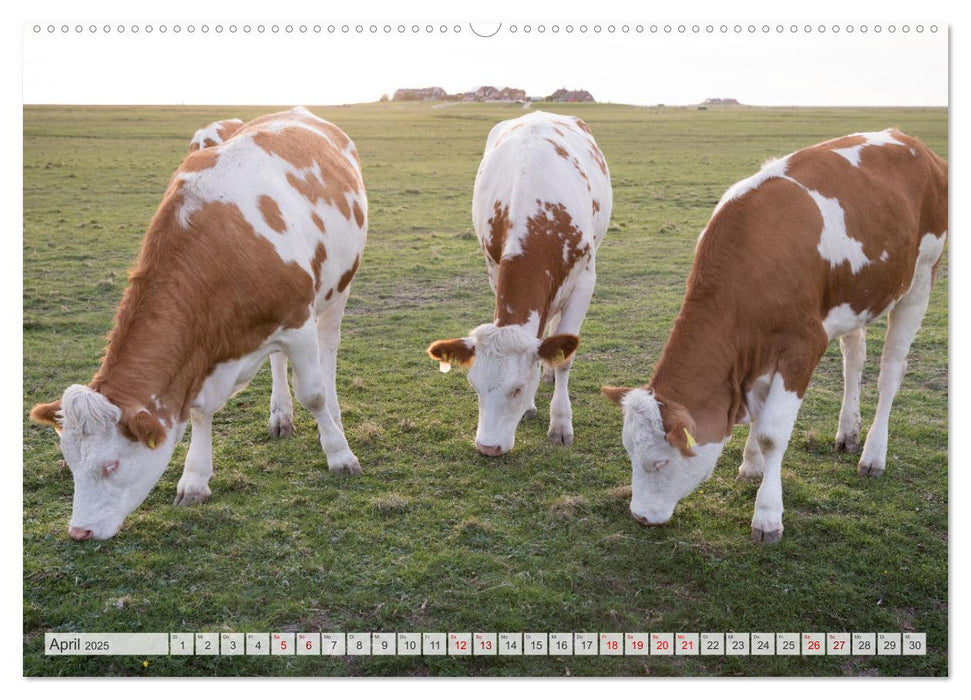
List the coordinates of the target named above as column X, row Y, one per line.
column 438, row 347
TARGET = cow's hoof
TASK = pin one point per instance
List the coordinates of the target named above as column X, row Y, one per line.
column 529, row 414
column 561, row 436
column 766, row 537
column 352, row 468
column 749, row 475
column 281, row 425
column 850, row 444
column 873, row 469
column 186, row 496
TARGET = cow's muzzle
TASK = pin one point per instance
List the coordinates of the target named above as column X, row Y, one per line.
column 489, row 450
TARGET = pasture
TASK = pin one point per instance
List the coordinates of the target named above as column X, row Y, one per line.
column 433, row 536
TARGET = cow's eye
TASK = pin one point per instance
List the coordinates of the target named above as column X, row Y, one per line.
column 109, row 468
column 515, row 392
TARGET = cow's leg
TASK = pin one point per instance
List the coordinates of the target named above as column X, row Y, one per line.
column 194, row 484
column 853, row 345
column 531, row 388
column 772, row 432
column 549, row 374
column 775, row 422
column 753, row 463
column 571, row 318
column 561, row 412
column 311, row 391
column 903, row 323
column 281, row 403
column 329, row 340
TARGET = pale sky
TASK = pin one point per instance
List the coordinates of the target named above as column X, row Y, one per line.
column 833, row 67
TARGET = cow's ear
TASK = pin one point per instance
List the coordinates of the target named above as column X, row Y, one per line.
column 615, row 393
column 48, row 414
column 679, row 427
column 557, row 349
column 458, row 351
column 144, row 428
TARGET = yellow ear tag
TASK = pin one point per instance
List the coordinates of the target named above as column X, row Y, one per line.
column 445, row 363
column 153, row 442
column 691, row 441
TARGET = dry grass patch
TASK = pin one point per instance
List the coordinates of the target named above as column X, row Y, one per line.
column 619, row 493
column 368, row 431
column 568, row 507
column 390, row 504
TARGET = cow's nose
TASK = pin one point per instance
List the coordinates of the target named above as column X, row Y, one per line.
column 488, row 450
column 643, row 520
column 79, row 533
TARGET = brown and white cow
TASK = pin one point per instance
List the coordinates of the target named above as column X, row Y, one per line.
column 250, row 254
column 813, row 247
column 540, row 207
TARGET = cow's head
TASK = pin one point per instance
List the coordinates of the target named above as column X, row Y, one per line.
column 503, row 370
column 667, row 463
column 115, row 459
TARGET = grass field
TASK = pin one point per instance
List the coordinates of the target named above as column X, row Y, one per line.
column 434, row 537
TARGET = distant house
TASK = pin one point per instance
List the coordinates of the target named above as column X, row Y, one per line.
column 721, row 101
column 419, row 94
column 486, row 93
column 509, row 94
column 564, row 95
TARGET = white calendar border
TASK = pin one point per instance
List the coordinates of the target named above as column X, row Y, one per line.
column 12, row 651
column 801, row 55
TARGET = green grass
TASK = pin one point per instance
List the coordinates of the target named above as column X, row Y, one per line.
column 434, row 537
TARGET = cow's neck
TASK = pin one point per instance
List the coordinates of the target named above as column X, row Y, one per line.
column 524, row 293
column 699, row 369
column 154, row 359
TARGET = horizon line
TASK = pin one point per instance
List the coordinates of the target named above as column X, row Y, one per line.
column 492, row 102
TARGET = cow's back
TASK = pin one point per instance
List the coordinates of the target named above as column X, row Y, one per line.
column 834, row 226
column 532, row 165
column 296, row 181
column 251, row 238
column 214, row 134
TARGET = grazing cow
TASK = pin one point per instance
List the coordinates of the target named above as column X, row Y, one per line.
column 813, row 247
column 540, row 208
column 250, row 254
